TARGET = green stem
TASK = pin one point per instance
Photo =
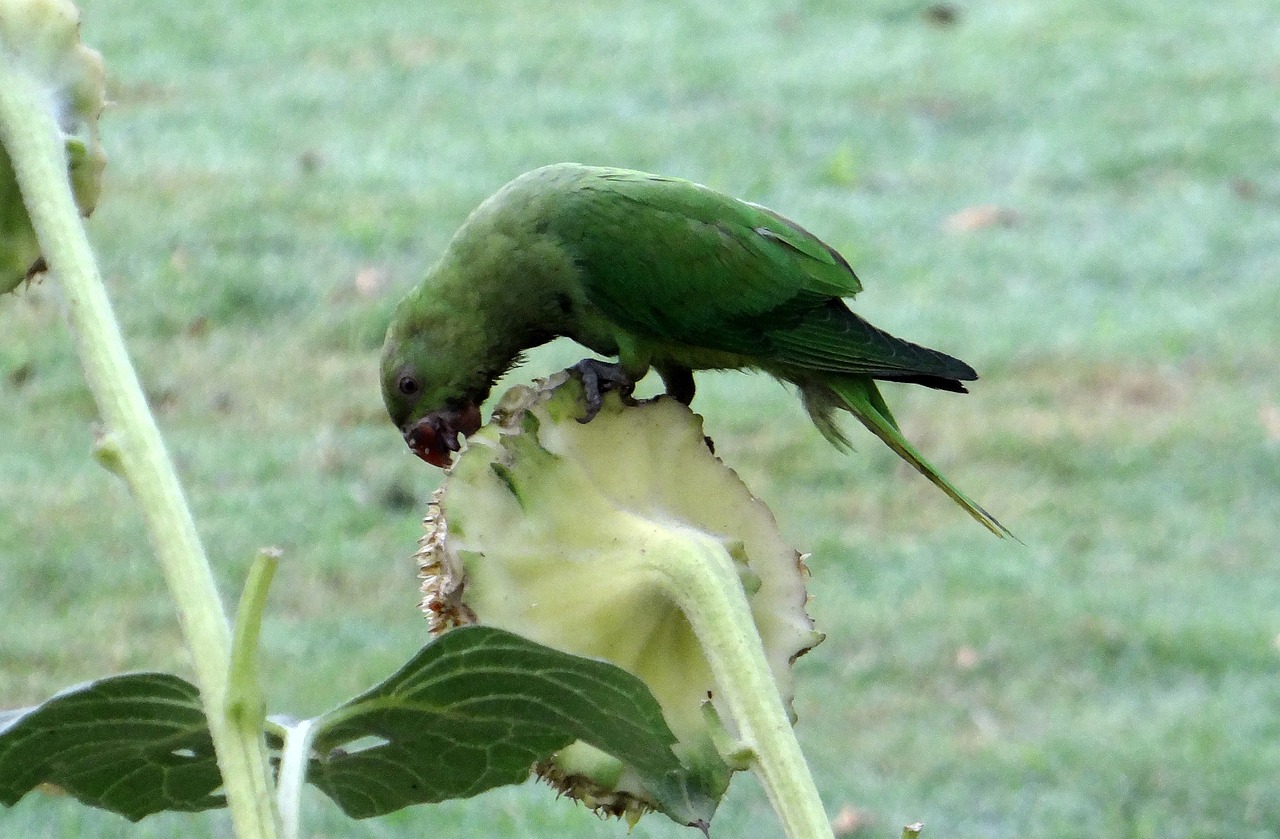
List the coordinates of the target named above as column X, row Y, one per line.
column 700, row 576
column 245, row 703
column 31, row 136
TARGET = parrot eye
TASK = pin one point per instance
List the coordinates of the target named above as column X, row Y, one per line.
column 408, row 385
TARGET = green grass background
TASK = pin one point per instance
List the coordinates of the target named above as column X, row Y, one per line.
column 1117, row 676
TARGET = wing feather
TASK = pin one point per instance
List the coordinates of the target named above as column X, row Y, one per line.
column 837, row 340
column 673, row 261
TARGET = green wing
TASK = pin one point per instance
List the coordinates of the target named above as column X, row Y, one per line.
column 834, row 340
column 670, row 260
column 676, row 262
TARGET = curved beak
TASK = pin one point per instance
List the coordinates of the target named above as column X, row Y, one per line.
column 434, row 438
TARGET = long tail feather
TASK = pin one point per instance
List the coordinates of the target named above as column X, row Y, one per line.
column 862, row 399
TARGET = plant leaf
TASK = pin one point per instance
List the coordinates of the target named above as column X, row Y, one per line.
column 134, row 744
column 475, row 709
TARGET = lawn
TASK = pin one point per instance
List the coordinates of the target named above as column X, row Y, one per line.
column 1080, row 199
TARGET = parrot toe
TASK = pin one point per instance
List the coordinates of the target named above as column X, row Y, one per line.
column 598, row 378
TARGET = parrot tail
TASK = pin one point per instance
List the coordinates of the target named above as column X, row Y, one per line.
column 860, row 397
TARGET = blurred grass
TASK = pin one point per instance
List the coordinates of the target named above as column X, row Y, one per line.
column 280, row 174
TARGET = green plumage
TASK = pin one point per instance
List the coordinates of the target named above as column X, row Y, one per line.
column 662, row 273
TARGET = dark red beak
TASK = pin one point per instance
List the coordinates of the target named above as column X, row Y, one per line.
column 434, row 438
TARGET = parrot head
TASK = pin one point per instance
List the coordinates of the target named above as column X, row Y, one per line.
column 431, row 396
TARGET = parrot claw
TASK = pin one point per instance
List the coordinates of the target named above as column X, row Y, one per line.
column 598, row 378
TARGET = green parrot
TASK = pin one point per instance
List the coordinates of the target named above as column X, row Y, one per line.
column 662, row 273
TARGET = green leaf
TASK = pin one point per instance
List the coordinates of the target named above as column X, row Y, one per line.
column 475, row 709
column 18, row 246
column 135, row 744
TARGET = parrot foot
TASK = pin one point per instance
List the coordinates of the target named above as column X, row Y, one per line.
column 598, row 378
column 679, row 382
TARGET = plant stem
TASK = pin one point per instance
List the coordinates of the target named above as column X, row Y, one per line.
column 700, row 576
column 294, row 758
column 245, row 703
column 30, row 134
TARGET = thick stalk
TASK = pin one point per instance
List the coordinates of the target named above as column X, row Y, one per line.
column 700, row 576
column 35, row 146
